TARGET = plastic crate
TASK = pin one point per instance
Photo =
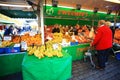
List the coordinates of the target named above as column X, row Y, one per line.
column 118, row 55
column 73, row 43
column 2, row 50
column 12, row 49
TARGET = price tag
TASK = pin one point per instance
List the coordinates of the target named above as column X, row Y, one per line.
column 32, row 33
column 7, row 38
column 55, row 46
column 17, row 45
column 23, row 45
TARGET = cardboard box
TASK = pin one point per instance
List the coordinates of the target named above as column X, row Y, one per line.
column 12, row 49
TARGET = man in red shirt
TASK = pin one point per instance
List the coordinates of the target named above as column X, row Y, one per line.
column 102, row 43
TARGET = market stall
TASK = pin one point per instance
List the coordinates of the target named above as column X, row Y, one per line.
column 12, row 50
column 77, row 51
column 52, row 59
column 11, row 63
column 47, row 68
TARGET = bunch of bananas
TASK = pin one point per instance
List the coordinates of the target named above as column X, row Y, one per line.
column 7, row 44
column 57, row 53
column 57, row 38
column 41, row 51
column 38, row 54
column 31, row 50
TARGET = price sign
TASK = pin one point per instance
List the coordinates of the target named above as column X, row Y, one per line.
column 55, row 46
column 7, row 38
column 23, row 45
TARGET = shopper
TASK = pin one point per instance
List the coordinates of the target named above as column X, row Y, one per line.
column 70, row 29
column 102, row 43
column 1, row 34
column 75, row 30
column 56, row 29
column 108, row 24
column 1, row 37
column 8, row 31
column 66, row 28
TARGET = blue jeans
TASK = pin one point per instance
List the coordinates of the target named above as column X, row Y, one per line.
column 102, row 57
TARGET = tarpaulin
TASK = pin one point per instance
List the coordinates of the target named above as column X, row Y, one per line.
column 47, row 68
column 77, row 51
column 11, row 63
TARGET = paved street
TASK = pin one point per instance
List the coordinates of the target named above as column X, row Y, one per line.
column 84, row 71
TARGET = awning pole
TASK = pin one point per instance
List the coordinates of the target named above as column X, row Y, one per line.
column 115, row 20
column 41, row 16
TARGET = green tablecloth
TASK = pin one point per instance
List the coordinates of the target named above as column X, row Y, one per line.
column 11, row 63
column 77, row 51
column 47, row 68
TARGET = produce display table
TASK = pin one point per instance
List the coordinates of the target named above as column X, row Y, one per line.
column 11, row 63
column 77, row 51
column 47, row 68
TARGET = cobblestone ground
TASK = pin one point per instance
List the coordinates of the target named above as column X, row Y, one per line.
column 84, row 71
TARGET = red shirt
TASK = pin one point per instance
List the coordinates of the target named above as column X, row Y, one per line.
column 103, row 38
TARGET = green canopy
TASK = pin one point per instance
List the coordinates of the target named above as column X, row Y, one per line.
column 18, row 13
column 63, row 16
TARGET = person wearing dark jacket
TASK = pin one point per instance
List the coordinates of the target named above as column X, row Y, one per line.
column 102, row 43
column 56, row 29
column 8, row 31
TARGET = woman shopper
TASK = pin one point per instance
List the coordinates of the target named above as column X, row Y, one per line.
column 108, row 23
column 102, row 43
